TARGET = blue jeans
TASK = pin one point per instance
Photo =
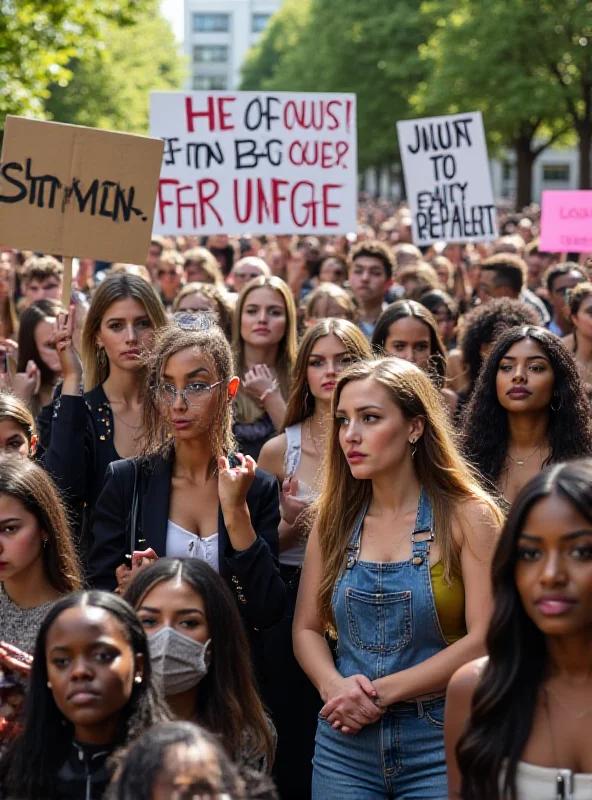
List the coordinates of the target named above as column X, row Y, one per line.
column 401, row 757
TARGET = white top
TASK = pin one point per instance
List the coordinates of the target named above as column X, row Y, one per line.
column 540, row 783
column 294, row 556
column 184, row 544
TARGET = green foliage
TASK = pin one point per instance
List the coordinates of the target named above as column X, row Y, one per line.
column 110, row 85
column 38, row 39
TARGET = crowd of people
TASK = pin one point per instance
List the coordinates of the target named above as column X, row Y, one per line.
column 298, row 517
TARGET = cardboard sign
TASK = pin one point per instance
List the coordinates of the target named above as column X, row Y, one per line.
column 447, row 178
column 256, row 162
column 566, row 222
column 72, row 191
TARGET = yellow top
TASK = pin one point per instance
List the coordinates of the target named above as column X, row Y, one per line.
column 450, row 604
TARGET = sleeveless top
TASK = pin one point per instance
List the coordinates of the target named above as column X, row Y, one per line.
column 184, row 544
column 548, row 783
column 294, row 555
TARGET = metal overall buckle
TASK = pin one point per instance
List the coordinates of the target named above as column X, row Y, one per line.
column 419, row 559
column 352, row 556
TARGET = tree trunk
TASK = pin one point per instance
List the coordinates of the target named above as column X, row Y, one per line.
column 524, row 161
column 585, row 137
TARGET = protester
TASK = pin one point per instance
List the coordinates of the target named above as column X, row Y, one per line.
column 194, row 497
column 417, row 279
column 104, row 424
column 246, row 270
column 504, row 275
column 407, row 329
column 329, row 301
column 200, row 266
column 200, row 655
column 8, row 318
column 203, row 297
column 90, row 694
column 154, row 254
column 333, row 269
column 480, row 328
column 38, row 361
column 17, row 426
column 560, row 280
column 264, row 345
column 38, row 563
column 179, row 759
column 295, row 458
column 529, row 409
column 445, row 312
column 579, row 343
column 406, row 613
column 370, row 275
column 527, row 705
column 169, row 277
column 41, row 279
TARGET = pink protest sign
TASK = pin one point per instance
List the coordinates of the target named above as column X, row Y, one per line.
column 566, row 222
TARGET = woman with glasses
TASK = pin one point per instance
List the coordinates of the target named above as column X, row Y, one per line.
column 190, row 495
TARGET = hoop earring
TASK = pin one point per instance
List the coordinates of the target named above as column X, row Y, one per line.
column 553, row 408
column 101, row 358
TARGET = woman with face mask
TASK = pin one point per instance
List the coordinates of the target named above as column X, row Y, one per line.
column 200, row 653
column 90, row 693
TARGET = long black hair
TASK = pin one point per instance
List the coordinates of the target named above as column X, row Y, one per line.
column 504, row 702
column 28, row 769
column 228, row 702
column 410, row 308
column 485, row 422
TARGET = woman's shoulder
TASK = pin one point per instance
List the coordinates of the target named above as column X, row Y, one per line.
column 271, row 458
column 465, row 680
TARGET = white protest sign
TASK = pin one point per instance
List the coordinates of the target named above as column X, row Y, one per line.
column 447, row 177
column 255, row 162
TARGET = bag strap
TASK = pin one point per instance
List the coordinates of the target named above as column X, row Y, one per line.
column 133, row 517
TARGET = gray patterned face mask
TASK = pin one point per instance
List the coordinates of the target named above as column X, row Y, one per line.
column 177, row 661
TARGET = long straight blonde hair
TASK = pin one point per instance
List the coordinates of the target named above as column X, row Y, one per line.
column 248, row 410
column 441, row 470
column 115, row 287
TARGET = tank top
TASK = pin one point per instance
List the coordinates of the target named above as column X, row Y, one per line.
column 294, row 556
column 541, row 783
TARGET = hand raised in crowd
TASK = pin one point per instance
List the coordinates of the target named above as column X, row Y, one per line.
column 16, row 660
column 235, row 482
column 71, row 366
column 259, row 381
column 291, row 507
column 140, row 560
column 351, row 703
column 25, row 384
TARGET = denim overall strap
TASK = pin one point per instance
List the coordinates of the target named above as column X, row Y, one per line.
column 353, row 548
column 423, row 525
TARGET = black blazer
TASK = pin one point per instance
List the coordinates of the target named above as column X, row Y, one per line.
column 252, row 574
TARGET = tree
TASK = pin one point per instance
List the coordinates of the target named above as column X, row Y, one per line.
column 524, row 65
column 110, row 86
column 369, row 48
column 38, row 38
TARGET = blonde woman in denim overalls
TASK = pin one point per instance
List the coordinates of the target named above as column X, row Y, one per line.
column 397, row 569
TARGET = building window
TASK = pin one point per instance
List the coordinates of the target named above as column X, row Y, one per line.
column 207, row 82
column 211, row 23
column 210, row 53
column 259, row 22
column 556, row 173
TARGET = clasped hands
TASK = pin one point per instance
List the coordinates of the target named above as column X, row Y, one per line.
column 351, row 704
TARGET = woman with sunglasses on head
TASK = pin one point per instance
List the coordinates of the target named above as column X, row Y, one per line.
column 295, row 458
column 193, row 497
column 518, row 722
column 90, row 430
column 529, row 409
column 196, row 298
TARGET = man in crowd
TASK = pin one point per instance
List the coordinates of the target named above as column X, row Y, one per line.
column 504, row 275
column 370, row 275
column 41, row 279
column 559, row 280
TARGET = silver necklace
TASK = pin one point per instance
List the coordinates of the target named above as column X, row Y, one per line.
column 127, row 424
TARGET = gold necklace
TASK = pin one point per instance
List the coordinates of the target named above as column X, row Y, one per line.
column 580, row 715
column 524, row 460
column 312, row 436
column 127, row 424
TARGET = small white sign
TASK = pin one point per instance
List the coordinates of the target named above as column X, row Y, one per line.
column 447, row 178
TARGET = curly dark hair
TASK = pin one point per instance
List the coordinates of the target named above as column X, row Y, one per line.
column 28, row 770
column 504, row 701
column 485, row 421
column 485, row 323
